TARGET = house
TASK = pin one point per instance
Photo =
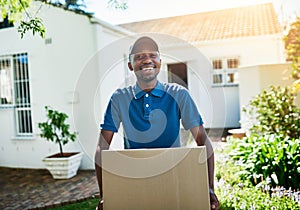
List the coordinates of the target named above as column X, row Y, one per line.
column 83, row 60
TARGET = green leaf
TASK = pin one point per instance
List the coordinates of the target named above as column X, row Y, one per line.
column 35, row 25
column 55, row 128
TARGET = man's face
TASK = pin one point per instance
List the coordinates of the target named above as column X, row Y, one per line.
column 145, row 64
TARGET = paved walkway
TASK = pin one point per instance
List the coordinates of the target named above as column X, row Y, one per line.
column 36, row 189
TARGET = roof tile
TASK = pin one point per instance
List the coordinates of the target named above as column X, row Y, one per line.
column 255, row 20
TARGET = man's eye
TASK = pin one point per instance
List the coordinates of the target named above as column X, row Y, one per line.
column 139, row 57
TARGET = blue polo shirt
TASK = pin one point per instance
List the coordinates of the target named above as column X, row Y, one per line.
column 151, row 119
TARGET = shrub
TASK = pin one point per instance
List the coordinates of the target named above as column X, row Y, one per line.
column 269, row 156
column 274, row 111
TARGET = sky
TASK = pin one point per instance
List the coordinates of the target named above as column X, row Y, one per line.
column 151, row 9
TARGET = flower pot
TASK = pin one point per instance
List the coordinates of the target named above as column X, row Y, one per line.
column 63, row 167
column 237, row 133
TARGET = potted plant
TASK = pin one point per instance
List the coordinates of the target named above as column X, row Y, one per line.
column 62, row 165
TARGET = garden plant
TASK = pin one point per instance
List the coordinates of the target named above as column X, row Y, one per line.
column 262, row 170
column 56, row 129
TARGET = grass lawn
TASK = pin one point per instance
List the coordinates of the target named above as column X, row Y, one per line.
column 89, row 204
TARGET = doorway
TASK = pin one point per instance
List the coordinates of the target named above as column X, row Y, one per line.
column 177, row 73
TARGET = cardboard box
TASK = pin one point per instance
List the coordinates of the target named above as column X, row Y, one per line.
column 154, row 179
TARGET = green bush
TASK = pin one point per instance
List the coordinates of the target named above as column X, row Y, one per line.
column 274, row 111
column 269, row 156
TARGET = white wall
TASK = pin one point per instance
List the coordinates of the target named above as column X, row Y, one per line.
column 255, row 79
column 252, row 50
column 103, row 74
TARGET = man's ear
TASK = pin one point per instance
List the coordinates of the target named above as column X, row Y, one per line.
column 130, row 66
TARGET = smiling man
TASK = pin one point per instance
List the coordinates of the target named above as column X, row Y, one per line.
column 150, row 112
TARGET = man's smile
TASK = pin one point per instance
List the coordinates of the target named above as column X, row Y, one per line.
column 147, row 68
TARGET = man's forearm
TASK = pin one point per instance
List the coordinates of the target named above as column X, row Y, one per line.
column 202, row 139
column 210, row 162
column 211, row 168
column 98, row 169
column 103, row 144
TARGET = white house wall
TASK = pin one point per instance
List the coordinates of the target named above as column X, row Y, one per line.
column 255, row 79
column 252, row 50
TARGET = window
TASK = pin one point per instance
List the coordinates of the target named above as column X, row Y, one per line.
column 225, row 71
column 217, row 64
column 232, row 63
column 6, row 94
column 15, row 90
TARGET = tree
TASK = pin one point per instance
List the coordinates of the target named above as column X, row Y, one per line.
column 292, row 46
column 14, row 11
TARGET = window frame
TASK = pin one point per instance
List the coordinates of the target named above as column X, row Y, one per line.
column 20, row 107
column 224, row 72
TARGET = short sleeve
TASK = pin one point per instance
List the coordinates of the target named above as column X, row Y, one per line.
column 111, row 120
column 190, row 115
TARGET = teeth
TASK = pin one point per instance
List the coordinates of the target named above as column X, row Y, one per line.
column 148, row 68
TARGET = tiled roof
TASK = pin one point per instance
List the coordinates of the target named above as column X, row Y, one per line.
column 255, row 20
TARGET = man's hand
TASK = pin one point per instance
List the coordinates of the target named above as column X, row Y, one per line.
column 214, row 202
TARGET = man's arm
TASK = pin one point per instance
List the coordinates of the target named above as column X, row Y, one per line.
column 201, row 139
column 104, row 141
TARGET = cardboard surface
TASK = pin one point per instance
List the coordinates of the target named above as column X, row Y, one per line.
column 172, row 178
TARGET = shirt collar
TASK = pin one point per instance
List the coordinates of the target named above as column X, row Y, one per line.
column 158, row 91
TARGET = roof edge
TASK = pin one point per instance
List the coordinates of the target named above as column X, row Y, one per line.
column 116, row 28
